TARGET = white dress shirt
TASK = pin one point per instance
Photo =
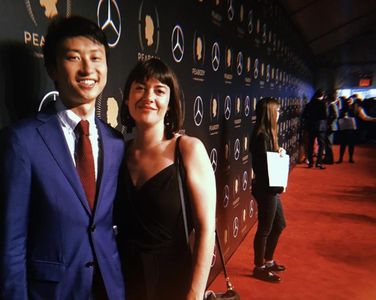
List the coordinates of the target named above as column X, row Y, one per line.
column 68, row 121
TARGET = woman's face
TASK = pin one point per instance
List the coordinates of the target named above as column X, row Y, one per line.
column 277, row 113
column 148, row 101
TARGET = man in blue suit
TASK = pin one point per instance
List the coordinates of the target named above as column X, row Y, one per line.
column 57, row 236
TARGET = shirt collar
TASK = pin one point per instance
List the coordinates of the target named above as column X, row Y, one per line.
column 70, row 120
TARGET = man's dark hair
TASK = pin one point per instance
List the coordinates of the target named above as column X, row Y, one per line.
column 63, row 28
column 318, row 94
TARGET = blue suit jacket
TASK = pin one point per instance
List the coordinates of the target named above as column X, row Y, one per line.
column 49, row 236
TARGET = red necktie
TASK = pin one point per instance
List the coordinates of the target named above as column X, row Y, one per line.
column 85, row 161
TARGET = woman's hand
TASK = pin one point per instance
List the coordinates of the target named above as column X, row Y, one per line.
column 281, row 152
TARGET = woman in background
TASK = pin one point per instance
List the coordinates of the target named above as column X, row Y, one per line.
column 157, row 262
column 347, row 130
column 271, row 220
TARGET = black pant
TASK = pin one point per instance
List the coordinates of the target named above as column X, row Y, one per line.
column 321, row 136
column 329, row 159
column 271, row 222
column 347, row 138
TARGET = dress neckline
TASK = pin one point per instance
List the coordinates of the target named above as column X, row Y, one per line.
column 138, row 189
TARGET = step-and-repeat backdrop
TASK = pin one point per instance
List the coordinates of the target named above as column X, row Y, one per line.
column 227, row 54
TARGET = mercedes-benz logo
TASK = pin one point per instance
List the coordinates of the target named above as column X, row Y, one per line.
column 216, row 56
column 198, row 111
column 239, row 63
column 227, row 107
column 237, row 149
column 247, row 106
column 177, row 43
column 245, row 180
column 214, row 159
column 251, row 208
column 49, row 97
column 235, row 227
column 106, row 21
column 214, row 258
column 264, row 37
column 226, row 197
column 250, row 21
column 255, row 72
column 230, row 10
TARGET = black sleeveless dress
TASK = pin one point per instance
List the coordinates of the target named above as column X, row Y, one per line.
column 157, row 263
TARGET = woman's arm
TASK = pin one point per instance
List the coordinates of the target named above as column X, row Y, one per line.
column 202, row 192
column 362, row 115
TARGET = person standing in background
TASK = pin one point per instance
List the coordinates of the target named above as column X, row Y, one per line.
column 271, row 219
column 158, row 263
column 58, row 181
column 333, row 115
column 316, row 123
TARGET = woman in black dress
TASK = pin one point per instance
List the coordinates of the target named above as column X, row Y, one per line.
column 157, row 262
column 271, row 220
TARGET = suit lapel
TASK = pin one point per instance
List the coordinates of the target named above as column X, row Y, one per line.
column 106, row 154
column 54, row 139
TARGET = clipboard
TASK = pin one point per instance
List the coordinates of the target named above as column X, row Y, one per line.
column 278, row 169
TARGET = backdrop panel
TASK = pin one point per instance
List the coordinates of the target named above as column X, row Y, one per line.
column 227, row 55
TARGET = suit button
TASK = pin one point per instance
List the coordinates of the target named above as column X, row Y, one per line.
column 92, row 228
column 89, row 264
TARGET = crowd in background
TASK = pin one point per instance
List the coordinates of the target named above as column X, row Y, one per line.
column 328, row 119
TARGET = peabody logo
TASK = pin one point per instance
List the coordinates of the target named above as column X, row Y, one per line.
column 40, row 13
column 216, row 56
column 148, row 27
column 228, row 58
column 227, row 150
column 237, row 105
column 177, row 43
column 109, row 19
column 199, row 49
column 236, row 187
column 248, row 66
column 214, row 112
column 198, row 111
column 48, row 98
column 46, row 9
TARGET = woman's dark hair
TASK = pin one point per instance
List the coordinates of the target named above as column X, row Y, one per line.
column 63, row 28
column 266, row 119
column 155, row 68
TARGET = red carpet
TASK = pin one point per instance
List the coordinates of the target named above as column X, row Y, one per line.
column 329, row 244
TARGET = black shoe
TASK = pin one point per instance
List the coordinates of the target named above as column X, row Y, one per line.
column 275, row 267
column 320, row 166
column 266, row 275
column 310, row 165
column 351, row 161
column 339, row 161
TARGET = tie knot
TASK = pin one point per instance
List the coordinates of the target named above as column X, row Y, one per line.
column 82, row 127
